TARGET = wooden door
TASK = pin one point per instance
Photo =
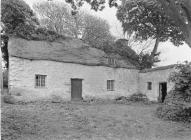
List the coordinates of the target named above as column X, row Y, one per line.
column 76, row 89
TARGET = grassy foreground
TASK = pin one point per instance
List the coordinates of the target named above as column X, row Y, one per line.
column 97, row 121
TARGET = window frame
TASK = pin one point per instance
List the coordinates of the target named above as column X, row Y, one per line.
column 38, row 84
column 149, row 85
column 110, row 85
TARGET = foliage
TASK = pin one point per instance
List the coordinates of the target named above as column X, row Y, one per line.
column 19, row 20
column 180, row 12
column 16, row 14
column 121, row 47
column 9, row 99
column 96, row 31
column 56, row 16
column 147, row 22
column 182, row 78
column 177, row 105
column 138, row 97
column 177, row 10
column 145, row 60
column 174, row 113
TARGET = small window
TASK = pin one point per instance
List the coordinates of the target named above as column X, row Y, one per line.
column 149, row 85
column 110, row 85
column 40, row 81
column 111, row 61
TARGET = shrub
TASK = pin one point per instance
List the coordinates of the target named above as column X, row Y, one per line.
column 177, row 104
column 9, row 99
column 138, row 97
column 122, row 100
column 174, row 113
column 182, row 80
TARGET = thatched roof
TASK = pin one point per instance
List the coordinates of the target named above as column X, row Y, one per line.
column 63, row 50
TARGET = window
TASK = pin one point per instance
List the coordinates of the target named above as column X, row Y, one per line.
column 40, row 81
column 149, row 85
column 111, row 61
column 110, row 85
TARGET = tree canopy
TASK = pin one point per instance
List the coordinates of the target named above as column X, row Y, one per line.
column 96, row 31
column 144, row 22
column 56, row 16
column 18, row 19
column 178, row 10
column 15, row 15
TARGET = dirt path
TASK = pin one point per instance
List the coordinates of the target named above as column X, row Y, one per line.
column 48, row 121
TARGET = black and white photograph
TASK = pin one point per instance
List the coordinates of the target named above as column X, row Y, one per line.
column 95, row 69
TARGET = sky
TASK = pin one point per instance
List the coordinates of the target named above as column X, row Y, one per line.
column 170, row 54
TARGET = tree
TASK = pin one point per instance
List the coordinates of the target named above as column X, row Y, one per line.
column 177, row 10
column 15, row 14
column 146, row 22
column 182, row 78
column 56, row 16
column 177, row 105
column 180, row 12
column 16, row 18
column 96, row 32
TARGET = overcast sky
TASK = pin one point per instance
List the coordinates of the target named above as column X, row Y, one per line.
column 170, row 54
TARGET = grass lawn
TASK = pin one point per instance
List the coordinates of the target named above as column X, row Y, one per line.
column 103, row 121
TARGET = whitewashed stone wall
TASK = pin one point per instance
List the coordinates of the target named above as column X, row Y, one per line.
column 22, row 79
column 155, row 77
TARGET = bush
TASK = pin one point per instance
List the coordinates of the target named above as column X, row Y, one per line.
column 182, row 79
column 122, row 100
column 174, row 113
column 177, row 104
column 9, row 99
column 138, row 97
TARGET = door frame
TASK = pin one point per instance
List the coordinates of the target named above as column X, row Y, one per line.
column 160, row 92
column 81, row 88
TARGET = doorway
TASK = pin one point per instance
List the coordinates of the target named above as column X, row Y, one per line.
column 76, row 89
column 162, row 91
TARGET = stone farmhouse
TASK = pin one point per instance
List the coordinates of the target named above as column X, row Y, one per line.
column 72, row 70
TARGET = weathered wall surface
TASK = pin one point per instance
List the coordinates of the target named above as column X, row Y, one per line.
column 155, row 77
column 22, row 79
